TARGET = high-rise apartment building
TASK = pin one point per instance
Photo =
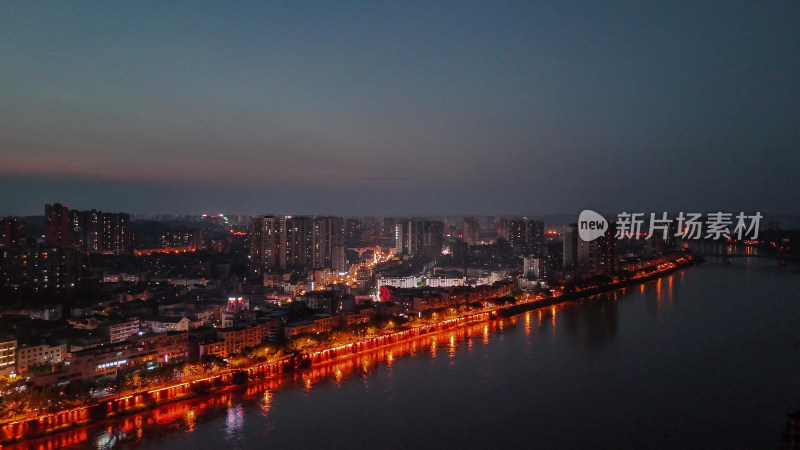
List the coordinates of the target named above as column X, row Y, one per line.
column 517, row 233
column 534, row 236
column 280, row 243
column 31, row 269
column 98, row 232
column 602, row 253
column 354, row 233
column 470, row 230
column 419, row 238
column 328, row 249
column 503, row 228
column 56, row 225
column 593, row 257
column 526, row 236
column 299, row 242
column 570, row 254
column 12, row 232
column 267, row 244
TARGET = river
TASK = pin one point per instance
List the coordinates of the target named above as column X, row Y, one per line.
column 707, row 357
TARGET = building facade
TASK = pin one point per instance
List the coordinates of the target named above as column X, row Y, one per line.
column 121, row 331
column 56, row 225
column 8, row 356
column 419, row 238
column 99, row 232
column 470, row 230
column 31, row 269
column 281, row 243
column 39, row 355
column 12, row 232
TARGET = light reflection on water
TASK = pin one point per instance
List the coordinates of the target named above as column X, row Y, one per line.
column 189, row 419
column 234, row 421
column 267, row 400
column 632, row 339
column 187, row 415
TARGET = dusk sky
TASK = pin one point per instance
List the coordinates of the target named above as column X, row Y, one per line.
column 400, row 108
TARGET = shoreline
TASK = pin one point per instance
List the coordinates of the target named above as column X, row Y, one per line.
column 20, row 431
column 580, row 295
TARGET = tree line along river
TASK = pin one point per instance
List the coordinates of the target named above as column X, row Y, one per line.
column 704, row 357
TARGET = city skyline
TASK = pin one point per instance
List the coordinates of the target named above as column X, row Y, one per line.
column 414, row 109
column 399, row 224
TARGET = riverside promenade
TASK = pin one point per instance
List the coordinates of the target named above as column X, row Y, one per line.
column 24, row 428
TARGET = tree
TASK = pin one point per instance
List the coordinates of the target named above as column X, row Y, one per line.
column 239, row 377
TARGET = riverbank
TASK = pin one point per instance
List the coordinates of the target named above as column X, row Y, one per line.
column 133, row 403
column 258, row 393
column 584, row 293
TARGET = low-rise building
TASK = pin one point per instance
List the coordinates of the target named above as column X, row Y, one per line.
column 119, row 331
column 87, row 323
column 319, row 323
column 166, row 324
column 44, row 313
column 444, row 281
column 358, row 317
column 8, row 356
column 233, row 340
column 273, row 325
column 94, row 362
column 420, row 299
column 399, row 282
column 526, row 284
column 111, row 359
column 297, row 328
column 131, row 295
column 39, row 355
column 162, row 348
column 122, row 277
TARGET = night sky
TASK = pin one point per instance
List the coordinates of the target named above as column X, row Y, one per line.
column 400, row 108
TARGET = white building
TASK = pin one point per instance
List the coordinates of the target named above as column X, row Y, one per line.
column 123, row 277
column 524, row 284
column 399, row 282
column 532, row 265
column 165, row 324
column 444, row 282
column 119, row 332
column 39, row 355
column 489, row 278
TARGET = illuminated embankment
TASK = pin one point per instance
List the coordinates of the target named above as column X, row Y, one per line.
column 136, row 402
column 660, row 271
column 186, row 414
column 317, row 364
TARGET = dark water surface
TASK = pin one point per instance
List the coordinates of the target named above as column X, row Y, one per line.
column 708, row 357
